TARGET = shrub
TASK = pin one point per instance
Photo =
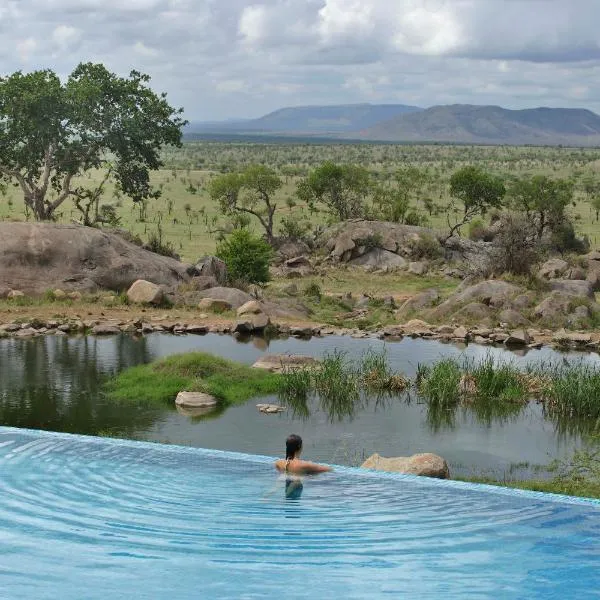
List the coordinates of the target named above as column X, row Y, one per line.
column 426, row 246
column 294, row 229
column 247, row 256
column 155, row 244
column 516, row 247
column 477, row 231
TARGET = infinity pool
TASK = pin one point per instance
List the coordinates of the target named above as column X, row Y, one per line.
column 87, row 518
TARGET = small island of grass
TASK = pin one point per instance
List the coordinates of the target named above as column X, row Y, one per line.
column 228, row 381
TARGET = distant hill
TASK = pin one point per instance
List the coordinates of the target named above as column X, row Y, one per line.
column 310, row 120
column 464, row 123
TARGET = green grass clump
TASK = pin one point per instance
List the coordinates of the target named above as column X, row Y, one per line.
column 439, row 384
column 228, row 381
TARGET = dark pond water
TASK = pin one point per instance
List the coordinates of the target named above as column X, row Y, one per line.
column 55, row 383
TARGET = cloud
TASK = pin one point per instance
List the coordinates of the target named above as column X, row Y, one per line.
column 237, row 58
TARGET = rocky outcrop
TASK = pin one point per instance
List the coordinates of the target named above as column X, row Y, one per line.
column 379, row 259
column 512, row 318
column 232, row 296
column 211, row 266
column 214, row 305
column 581, row 289
column 426, row 299
column 277, row 363
column 145, row 292
column 195, row 400
column 427, row 465
column 35, row 257
column 553, row 268
column 252, row 322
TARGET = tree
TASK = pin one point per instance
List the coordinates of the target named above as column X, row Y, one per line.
column 595, row 202
column 248, row 192
column 477, row 191
column 543, row 200
column 52, row 133
column 341, row 188
column 247, row 256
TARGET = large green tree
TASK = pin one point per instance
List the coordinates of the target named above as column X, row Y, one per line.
column 543, row 200
column 52, row 132
column 477, row 191
column 343, row 189
column 250, row 192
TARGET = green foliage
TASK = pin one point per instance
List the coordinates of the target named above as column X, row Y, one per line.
column 251, row 192
column 516, row 248
column 292, row 228
column 247, row 256
column 425, row 246
column 343, row 189
column 439, row 384
column 51, row 133
column 477, row 191
column 160, row 382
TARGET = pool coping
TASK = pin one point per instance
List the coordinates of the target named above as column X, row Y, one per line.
column 354, row 471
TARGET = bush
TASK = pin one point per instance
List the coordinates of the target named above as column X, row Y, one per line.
column 426, row 246
column 247, row 256
column 564, row 239
column 294, row 229
column 516, row 247
column 155, row 244
column 477, row 231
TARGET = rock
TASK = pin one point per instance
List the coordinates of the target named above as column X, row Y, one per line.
column 460, row 333
column 270, row 409
column 389, row 302
column 557, row 304
column 195, row 400
column 416, row 327
column 427, row 465
column 475, row 311
column 581, row 289
column 593, row 256
column 145, row 292
column 197, row 329
column 417, row 268
column 211, row 266
column 523, row 301
column 233, row 296
column 291, row 248
column 301, row 332
column 575, row 339
column 105, row 329
column 202, row 282
column 582, row 312
column 425, row 299
column 379, row 258
column 342, row 245
column 214, row 305
column 15, row 294
column 252, row 307
column 512, row 318
column 553, row 268
column 74, row 296
column 277, row 363
column 26, row 332
column 59, row 294
column 297, row 262
column 495, row 293
column 576, row 274
column 519, row 337
column 35, row 257
column 362, row 301
column 593, row 277
column 252, row 322
column 291, row 289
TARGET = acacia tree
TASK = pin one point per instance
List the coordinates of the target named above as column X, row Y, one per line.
column 543, row 200
column 250, row 192
column 341, row 188
column 52, row 132
column 477, row 191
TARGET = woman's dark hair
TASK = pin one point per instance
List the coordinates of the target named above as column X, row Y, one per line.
column 292, row 445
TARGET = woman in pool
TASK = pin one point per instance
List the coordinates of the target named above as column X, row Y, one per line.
column 293, row 464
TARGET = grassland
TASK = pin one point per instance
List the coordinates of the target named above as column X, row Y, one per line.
column 185, row 212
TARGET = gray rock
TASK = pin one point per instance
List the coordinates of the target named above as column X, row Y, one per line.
column 512, row 318
column 35, row 257
column 576, row 274
column 13, row 294
column 277, row 363
column 145, row 292
column 417, row 268
column 195, row 400
column 252, row 307
column 270, row 409
column 233, row 296
column 427, row 465
column 417, row 327
column 343, row 244
column 291, row 289
column 211, row 266
column 105, row 329
column 523, row 301
column 425, row 299
column 202, row 282
column 475, row 311
column 250, row 323
column 580, row 289
column 214, row 305
column 460, row 333
column 197, row 329
column 519, row 337
column 379, row 258
column 553, row 268
column 556, row 304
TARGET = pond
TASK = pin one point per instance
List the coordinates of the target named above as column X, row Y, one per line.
column 55, row 383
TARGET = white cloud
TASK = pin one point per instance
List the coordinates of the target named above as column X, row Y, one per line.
column 230, row 58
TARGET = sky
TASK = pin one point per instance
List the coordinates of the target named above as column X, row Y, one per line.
column 222, row 59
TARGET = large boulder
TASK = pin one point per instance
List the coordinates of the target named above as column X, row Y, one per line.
column 580, row 289
column 556, row 304
column 513, row 318
column 233, row 296
column 494, row 293
column 250, row 323
column 214, row 305
column 145, row 292
column 35, row 257
column 553, row 268
column 195, row 400
column 380, row 259
column 427, row 465
column 475, row 311
column 211, row 266
column 425, row 299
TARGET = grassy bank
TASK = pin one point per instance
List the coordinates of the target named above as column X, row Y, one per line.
column 160, row 382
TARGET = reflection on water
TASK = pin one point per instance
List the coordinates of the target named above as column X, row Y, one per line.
column 55, row 383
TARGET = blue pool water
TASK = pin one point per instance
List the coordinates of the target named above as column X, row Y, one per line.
column 87, row 518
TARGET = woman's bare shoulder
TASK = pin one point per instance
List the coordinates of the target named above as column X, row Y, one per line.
column 305, row 466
